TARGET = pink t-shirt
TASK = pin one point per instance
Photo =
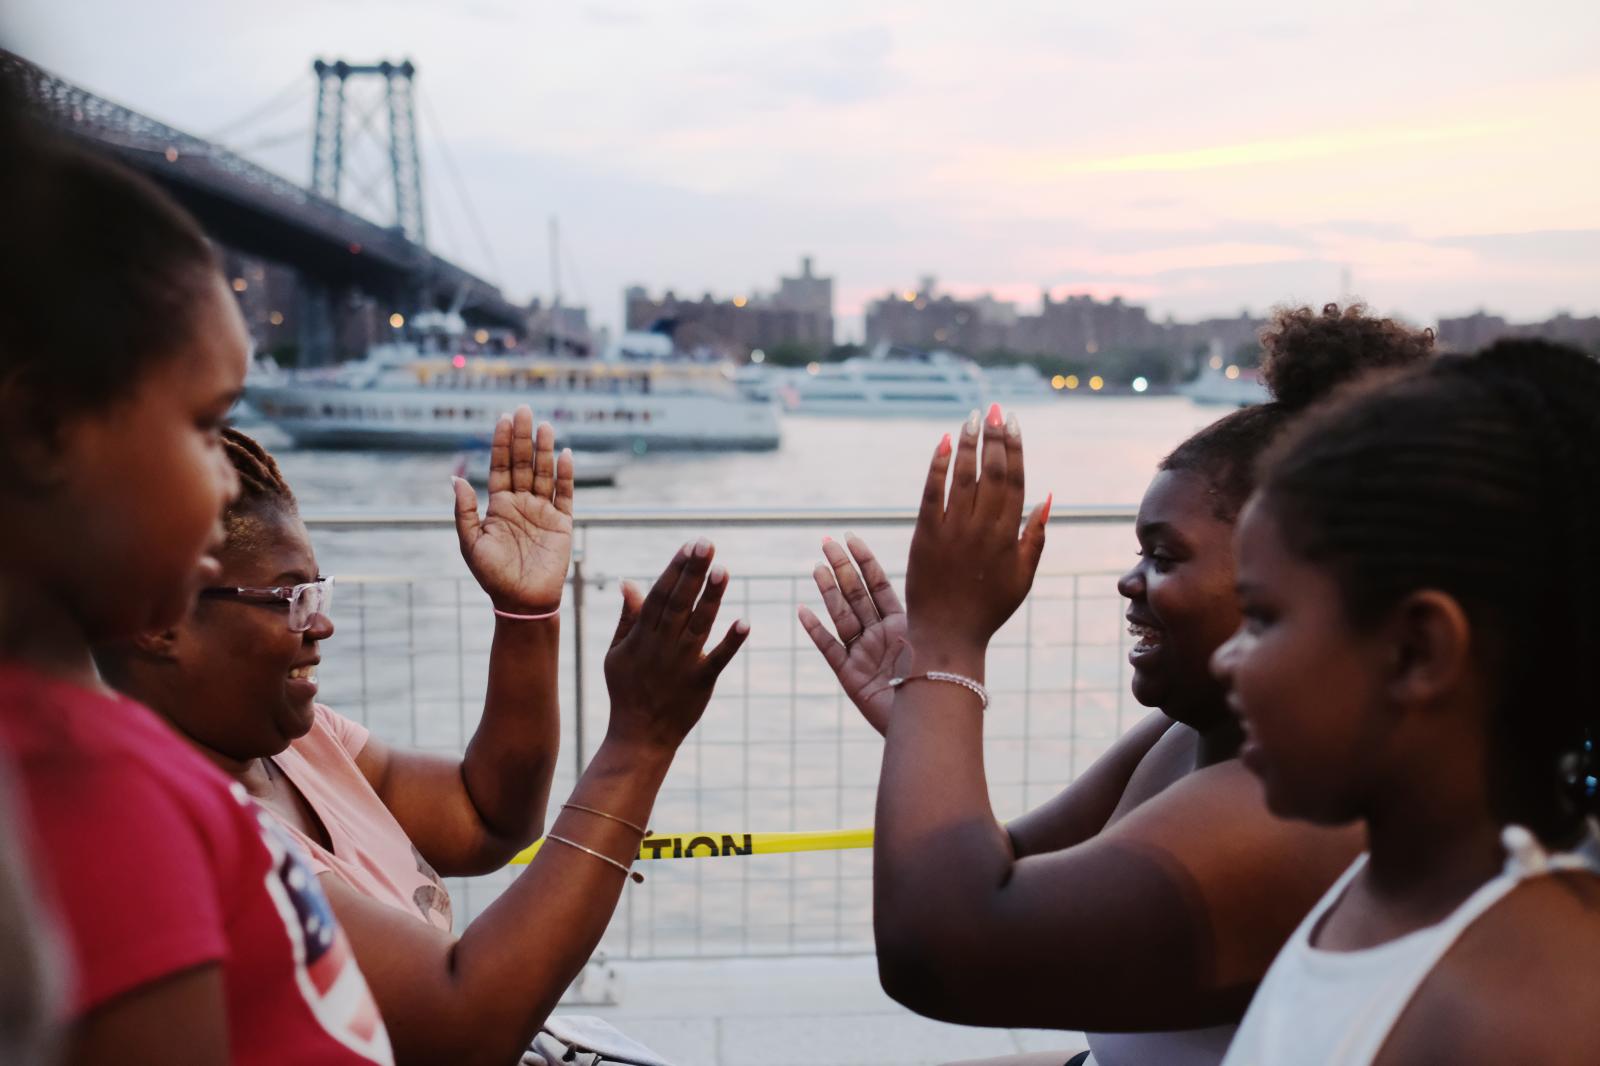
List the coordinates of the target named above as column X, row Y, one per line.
column 371, row 852
column 158, row 863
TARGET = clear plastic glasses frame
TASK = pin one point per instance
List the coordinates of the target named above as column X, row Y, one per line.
column 303, row 601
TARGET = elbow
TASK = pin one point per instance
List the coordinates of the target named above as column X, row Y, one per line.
column 920, row 983
column 491, row 855
column 914, row 969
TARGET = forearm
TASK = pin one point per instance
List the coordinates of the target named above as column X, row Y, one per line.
column 511, row 758
column 501, row 979
column 940, row 853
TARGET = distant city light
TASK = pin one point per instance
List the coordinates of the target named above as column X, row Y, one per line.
column 239, row 284
column 276, row 318
column 459, row 361
column 172, row 155
column 1058, row 382
column 1097, row 383
column 1232, row 373
column 1216, row 362
column 397, row 320
column 1092, row 347
column 909, row 296
column 813, row 368
column 1072, row 381
column 482, row 336
column 739, row 301
column 758, row 356
column 1140, row 384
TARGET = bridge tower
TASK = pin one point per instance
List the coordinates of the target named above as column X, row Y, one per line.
column 347, row 131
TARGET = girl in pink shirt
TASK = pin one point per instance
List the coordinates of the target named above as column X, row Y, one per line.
column 194, row 933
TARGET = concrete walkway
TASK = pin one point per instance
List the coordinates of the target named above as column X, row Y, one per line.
column 786, row 1012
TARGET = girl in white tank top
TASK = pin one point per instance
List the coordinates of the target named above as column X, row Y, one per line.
column 1337, row 1008
column 1420, row 652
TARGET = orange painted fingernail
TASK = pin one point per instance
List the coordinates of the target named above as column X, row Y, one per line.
column 827, row 539
column 995, row 417
column 944, row 445
column 1048, row 500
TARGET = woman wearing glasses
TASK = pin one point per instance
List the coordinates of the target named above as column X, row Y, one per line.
column 238, row 678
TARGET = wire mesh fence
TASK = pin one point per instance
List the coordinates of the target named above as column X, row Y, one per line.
column 780, row 748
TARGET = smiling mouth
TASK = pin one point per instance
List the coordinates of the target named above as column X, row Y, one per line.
column 1147, row 638
column 303, row 673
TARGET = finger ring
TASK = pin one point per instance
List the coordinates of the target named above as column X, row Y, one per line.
column 853, row 639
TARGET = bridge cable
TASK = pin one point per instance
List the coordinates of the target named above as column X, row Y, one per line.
column 437, row 129
column 271, row 140
column 295, row 92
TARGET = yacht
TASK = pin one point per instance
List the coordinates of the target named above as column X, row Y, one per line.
column 896, row 380
column 1215, row 386
column 635, row 399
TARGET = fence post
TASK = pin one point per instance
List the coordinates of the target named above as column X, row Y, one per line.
column 577, row 665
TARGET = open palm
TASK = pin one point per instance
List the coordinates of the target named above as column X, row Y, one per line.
column 871, row 646
column 519, row 550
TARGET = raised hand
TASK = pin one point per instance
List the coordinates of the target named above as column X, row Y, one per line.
column 969, row 569
column 659, row 676
column 520, row 549
column 871, row 646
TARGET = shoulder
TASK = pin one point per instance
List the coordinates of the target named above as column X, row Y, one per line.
column 100, row 758
column 329, row 724
column 1256, row 875
column 1521, row 985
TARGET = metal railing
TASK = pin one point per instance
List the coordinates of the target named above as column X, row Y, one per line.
column 779, row 749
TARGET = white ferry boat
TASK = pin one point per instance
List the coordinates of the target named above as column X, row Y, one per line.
column 1020, row 383
column 399, row 398
column 1215, row 386
column 905, row 382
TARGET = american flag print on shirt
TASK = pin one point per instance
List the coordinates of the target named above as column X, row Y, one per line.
column 325, row 970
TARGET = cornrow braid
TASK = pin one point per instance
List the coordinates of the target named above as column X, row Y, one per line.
column 260, row 480
column 1467, row 475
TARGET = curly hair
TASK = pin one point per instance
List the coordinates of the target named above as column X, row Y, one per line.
column 1465, row 475
column 1307, row 356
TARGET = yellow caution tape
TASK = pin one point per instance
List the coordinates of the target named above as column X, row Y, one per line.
column 719, row 845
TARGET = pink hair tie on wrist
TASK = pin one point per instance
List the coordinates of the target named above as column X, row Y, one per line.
column 526, row 617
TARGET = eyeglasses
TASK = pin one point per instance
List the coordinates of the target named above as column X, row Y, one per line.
column 304, row 601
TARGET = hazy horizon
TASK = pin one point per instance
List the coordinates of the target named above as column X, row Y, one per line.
column 1197, row 161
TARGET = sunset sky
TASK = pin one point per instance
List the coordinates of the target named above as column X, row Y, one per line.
column 1201, row 159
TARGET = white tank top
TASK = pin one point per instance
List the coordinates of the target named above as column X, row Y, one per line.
column 1336, row 1008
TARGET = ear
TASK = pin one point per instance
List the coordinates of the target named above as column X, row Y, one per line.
column 32, row 438
column 162, row 646
column 1430, row 646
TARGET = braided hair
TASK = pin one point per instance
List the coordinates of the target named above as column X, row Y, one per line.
column 1465, row 476
column 1306, row 356
column 263, row 491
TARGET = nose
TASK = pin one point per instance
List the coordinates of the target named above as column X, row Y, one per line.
column 1131, row 584
column 321, row 627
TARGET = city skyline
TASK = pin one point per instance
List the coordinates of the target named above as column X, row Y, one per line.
column 1199, row 163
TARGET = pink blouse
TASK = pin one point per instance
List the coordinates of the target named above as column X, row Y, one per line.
column 371, row 853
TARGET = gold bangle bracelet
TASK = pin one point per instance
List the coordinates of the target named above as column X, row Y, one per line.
column 641, row 830
column 637, row 877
